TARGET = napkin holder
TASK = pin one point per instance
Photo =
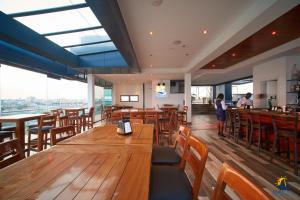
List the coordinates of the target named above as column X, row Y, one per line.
column 124, row 127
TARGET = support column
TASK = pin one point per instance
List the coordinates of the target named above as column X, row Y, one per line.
column 228, row 92
column 187, row 95
column 91, row 90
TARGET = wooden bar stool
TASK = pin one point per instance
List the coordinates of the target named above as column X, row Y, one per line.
column 182, row 116
column 241, row 185
column 74, row 119
column 286, row 127
column 45, row 125
column 88, row 119
column 167, row 127
column 241, row 125
column 229, row 123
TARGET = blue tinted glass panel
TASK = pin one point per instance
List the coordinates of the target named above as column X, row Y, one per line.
column 107, row 46
column 17, row 6
column 79, row 37
column 60, row 21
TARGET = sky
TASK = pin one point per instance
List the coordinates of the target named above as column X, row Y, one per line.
column 18, row 83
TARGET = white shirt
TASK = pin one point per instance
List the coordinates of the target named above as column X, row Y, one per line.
column 224, row 107
column 243, row 101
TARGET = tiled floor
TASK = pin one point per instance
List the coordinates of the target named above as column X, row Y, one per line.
column 258, row 168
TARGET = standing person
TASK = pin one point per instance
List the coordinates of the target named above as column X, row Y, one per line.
column 220, row 111
column 245, row 101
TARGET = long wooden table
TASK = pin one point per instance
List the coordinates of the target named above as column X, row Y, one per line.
column 20, row 120
column 110, row 167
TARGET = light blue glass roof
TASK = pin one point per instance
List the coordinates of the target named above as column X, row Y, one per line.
column 81, row 37
column 17, row 6
column 107, row 46
column 60, row 21
column 76, row 29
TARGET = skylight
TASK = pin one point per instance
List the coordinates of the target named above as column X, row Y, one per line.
column 60, row 21
column 107, row 46
column 70, row 24
column 82, row 37
column 17, row 6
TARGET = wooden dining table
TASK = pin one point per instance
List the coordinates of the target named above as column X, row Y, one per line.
column 20, row 120
column 126, row 112
column 98, row 164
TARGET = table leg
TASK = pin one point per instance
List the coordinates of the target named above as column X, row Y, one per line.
column 20, row 132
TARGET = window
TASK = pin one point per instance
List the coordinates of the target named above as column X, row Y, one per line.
column 124, row 98
column 134, row 98
column 129, row 98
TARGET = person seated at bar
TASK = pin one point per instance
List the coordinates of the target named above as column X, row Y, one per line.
column 245, row 101
column 221, row 115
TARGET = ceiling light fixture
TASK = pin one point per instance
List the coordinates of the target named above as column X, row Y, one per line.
column 213, row 65
column 150, row 33
column 151, row 66
column 204, row 32
column 274, row 33
column 233, row 54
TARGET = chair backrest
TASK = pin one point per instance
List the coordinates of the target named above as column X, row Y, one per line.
column 137, row 115
column 72, row 113
column 152, row 115
column 136, row 121
column 91, row 111
column 48, row 120
column 63, row 133
column 10, row 152
column 181, row 138
column 241, row 185
column 185, row 108
column 197, row 162
column 116, row 116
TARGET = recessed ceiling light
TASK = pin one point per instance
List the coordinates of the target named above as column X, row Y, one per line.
column 150, row 65
column 150, row 54
column 204, row 31
column 213, row 65
column 150, row 33
column 274, row 33
column 233, row 54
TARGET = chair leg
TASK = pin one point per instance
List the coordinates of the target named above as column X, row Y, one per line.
column 295, row 155
column 28, row 143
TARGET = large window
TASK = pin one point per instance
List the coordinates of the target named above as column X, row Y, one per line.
column 23, row 91
column 201, row 94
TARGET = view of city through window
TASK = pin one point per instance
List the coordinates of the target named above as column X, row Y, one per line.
column 23, row 91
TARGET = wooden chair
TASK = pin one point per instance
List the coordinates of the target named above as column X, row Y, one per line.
column 137, row 115
column 241, row 185
column 136, row 121
column 45, row 125
column 171, row 155
column 171, row 182
column 167, row 127
column 115, row 117
column 74, row 119
column 151, row 117
column 6, row 134
column 182, row 116
column 61, row 133
column 88, row 119
column 10, row 152
column 286, row 127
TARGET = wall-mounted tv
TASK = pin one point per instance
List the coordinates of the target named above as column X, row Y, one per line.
column 177, row 86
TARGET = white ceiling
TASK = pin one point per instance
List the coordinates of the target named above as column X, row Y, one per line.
column 173, row 20
column 228, row 22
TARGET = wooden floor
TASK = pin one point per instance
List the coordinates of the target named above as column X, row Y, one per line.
column 259, row 168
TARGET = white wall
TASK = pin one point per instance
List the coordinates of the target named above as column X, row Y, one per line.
column 275, row 69
column 169, row 99
column 128, row 89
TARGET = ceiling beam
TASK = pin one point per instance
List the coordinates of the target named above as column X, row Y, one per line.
column 73, row 31
column 21, row 36
column 109, row 14
column 96, row 53
column 49, row 10
column 85, row 44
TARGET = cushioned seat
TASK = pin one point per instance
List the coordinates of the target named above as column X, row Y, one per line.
column 44, row 128
column 165, row 155
column 169, row 183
